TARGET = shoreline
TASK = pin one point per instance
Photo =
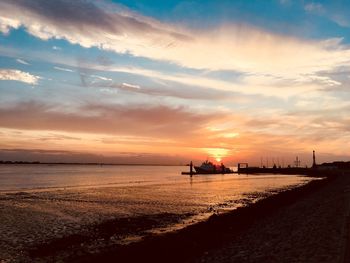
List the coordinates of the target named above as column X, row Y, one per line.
column 194, row 241
column 219, row 238
column 197, row 242
column 315, row 228
column 94, row 220
column 94, row 163
column 111, row 233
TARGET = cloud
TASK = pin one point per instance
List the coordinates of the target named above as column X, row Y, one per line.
column 332, row 10
column 162, row 129
column 58, row 137
column 248, row 84
column 8, row 23
column 101, row 77
column 17, row 75
column 130, row 86
column 21, row 61
column 157, row 120
column 105, row 128
column 268, row 63
column 284, row 2
column 63, row 69
column 314, row 7
column 281, row 66
column 90, row 23
column 341, row 19
column 56, row 48
column 163, row 87
column 44, row 155
column 78, row 21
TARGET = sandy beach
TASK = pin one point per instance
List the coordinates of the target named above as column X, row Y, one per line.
column 304, row 224
column 64, row 212
column 312, row 229
column 307, row 224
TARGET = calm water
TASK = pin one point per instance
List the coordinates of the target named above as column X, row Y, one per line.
column 148, row 189
column 46, row 177
column 70, row 195
column 26, row 177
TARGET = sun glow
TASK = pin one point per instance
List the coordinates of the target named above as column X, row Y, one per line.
column 231, row 135
column 217, row 153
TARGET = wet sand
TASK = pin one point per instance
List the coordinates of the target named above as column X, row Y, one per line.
column 61, row 223
column 305, row 224
column 46, row 226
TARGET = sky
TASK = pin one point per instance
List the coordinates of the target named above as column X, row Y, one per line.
column 171, row 81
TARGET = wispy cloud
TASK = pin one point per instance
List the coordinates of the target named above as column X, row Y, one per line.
column 17, row 75
column 265, row 67
column 314, row 7
column 284, row 2
column 132, row 86
column 45, row 155
column 63, row 69
column 248, row 84
column 269, row 69
column 122, row 31
column 156, row 120
column 330, row 10
column 101, row 77
column 160, row 128
column 21, row 61
column 167, row 90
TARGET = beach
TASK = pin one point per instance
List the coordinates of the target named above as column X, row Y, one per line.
column 302, row 224
column 65, row 212
column 306, row 224
column 314, row 228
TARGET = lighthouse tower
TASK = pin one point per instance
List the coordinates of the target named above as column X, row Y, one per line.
column 313, row 159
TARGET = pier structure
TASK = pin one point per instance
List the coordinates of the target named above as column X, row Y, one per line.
column 297, row 162
column 243, row 168
column 191, row 168
column 239, row 166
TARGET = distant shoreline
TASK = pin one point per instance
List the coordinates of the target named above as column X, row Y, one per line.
column 67, row 163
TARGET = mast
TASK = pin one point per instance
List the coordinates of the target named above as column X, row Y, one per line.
column 297, row 162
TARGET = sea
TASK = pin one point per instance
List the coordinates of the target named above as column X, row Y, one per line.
column 218, row 187
column 88, row 194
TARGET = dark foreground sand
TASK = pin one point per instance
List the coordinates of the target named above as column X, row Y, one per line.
column 306, row 224
column 315, row 228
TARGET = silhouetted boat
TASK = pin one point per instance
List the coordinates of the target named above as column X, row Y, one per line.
column 210, row 168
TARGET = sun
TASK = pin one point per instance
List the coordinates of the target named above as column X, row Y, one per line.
column 217, row 154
